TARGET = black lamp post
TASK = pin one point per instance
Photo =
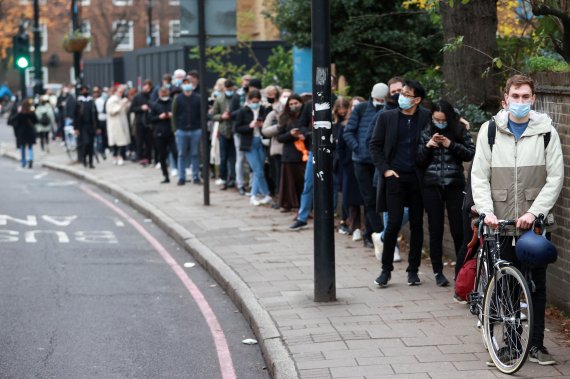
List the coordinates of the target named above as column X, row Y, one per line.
column 150, row 37
column 38, row 82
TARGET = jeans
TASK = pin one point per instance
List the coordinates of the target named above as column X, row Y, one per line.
column 307, row 195
column 227, row 158
column 256, row 159
column 188, row 145
column 240, row 157
column 401, row 192
column 364, row 175
column 23, row 154
column 436, row 200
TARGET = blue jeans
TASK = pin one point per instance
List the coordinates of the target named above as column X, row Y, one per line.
column 256, row 159
column 188, row 144
column 307, row 195
column 23, row 154
column 404, row 220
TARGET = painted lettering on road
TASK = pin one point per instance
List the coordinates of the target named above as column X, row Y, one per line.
column 32, row 236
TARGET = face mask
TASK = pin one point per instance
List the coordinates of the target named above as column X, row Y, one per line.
column 404, row 102
column 394, row 98
column 246, row 89
column 377, row 104
column 229, row 93
column 187, row 87
column 270, row 100
column 217, row 94
column 254, row 106
column 283, row 100
column 177, row 82
column 164, row 98
column 293, row 108
column 439, row 125
column 519, row 110
column 167, row 85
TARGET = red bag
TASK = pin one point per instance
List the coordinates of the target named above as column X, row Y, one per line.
column 465, row 281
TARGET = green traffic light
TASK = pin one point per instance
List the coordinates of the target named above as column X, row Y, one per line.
column 22, row 62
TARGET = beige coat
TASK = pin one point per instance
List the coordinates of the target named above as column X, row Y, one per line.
column 517, row 177
column 117, row 122
column 270, row 129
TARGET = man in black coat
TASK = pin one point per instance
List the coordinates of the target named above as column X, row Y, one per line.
column 393, row 149
column 85, row 126
column 143, row 132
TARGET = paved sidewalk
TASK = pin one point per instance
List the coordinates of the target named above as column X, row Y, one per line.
column 399, row 331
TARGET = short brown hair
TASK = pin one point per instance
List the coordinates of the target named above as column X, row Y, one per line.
column 395, row 79
column 519, row 80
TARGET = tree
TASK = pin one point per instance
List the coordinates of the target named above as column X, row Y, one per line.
column 110, row 35
column 558, row 10
column 463, row 67
column 371, row 40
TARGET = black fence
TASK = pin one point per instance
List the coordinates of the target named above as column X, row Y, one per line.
column 153, row 62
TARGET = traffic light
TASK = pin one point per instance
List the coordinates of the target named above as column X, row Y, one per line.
column 21, row 51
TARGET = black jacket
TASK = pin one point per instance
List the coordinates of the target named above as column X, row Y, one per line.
column 24, row 128
column 243, row 118
column 444, row 167
column 187, row 111
column 85, row 120
column 383, row 142
column 290, row 152
column 141, row 117
column 161, row 127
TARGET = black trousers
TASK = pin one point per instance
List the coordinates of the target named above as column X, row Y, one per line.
column 144, row 142
column 467, row 235
column 400, row 193
column 227, row 158
column 436, row 201
column 165, row 144
column 365, row 177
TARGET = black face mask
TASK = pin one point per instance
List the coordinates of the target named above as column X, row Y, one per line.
column 393, row 99
column 246, row 89
column 270, row 100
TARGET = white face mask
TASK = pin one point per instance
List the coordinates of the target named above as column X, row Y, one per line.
column 283, row 100
column 164, row 98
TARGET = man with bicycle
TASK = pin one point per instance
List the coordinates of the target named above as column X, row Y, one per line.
column 518, row 176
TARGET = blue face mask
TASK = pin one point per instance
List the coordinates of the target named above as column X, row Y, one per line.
column 229, row 93
column 404, row 102
column 217, row 93
column 177, row 82
column 439, row 125
column 187, row 87
column 519, row 110
column 254, row 106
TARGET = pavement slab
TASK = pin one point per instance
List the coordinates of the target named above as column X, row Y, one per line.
column 394, row 332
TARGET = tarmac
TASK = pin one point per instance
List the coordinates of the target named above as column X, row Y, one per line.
column 267, row 269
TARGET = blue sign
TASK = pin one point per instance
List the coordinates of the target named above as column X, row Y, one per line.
column 302, row 70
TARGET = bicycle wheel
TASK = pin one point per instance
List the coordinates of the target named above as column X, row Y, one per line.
column 483, row 281
column 508, row 319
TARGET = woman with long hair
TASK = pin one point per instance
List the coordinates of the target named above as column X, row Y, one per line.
column 24, row 125
column 442, row 149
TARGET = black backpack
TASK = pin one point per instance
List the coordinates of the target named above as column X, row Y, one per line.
column 44, row 119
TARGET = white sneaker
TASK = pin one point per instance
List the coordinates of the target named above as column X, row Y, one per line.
column 266, row 200
column 158, row 167
column 378, row 245
column 120, row 162
column 174, row 172
column 220, row 182
column 114, row 162
column 253, row 201
column 397, row 257
column 357, row 235
column 188, row 173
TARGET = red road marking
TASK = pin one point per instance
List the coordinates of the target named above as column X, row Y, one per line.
column 224, row 356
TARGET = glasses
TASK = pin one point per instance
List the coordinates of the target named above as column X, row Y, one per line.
column 408, row 95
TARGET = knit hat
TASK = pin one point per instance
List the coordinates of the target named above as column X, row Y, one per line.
column 379, row 91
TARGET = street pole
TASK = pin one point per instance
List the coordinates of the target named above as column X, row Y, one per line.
column 76, row 55
column 204, row 100
column 150, row 41
column 323, row 150
column 39, row 83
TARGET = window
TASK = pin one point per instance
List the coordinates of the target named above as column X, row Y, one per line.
column 43, row 36
column 174, row 2
column 155, row 32
column 123, row 34
column 26, row 2
column 122, row 3
column 86, row 29
column 85, row 2
column 29, row 76
column 174, row 31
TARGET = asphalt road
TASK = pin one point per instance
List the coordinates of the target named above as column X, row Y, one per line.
column 84, row 294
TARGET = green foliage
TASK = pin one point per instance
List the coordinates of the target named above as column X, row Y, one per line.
column 218, row 61
column 539, row 64
column 279, row 69
column 431, row 79
column 473, row 114
column 371, row 40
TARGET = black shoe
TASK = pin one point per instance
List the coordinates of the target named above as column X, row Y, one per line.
column 231, row 183
column 413, row 279
column 441, row 280
column 91, row 165
column 197, row 181
column 541, row 356
column 181, row 182
column 30, row 164
column 241, row 191
column 166, row 180
column 384, row 278
column 224, row 187
column 298, row 225
column 368, row 243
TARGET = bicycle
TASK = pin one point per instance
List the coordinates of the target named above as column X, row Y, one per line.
column 501, row 300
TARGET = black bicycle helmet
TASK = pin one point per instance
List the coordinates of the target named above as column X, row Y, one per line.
column 534, row 249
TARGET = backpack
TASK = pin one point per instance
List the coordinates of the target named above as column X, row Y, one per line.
column 492, row 132
column 465, row 280
column 44, row 119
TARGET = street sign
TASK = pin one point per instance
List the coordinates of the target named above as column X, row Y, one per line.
column 220, row 17
column 302, row 70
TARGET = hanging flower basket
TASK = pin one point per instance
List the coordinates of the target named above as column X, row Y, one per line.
column 75, row 42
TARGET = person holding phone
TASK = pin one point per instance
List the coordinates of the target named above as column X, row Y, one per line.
column 443, row 147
